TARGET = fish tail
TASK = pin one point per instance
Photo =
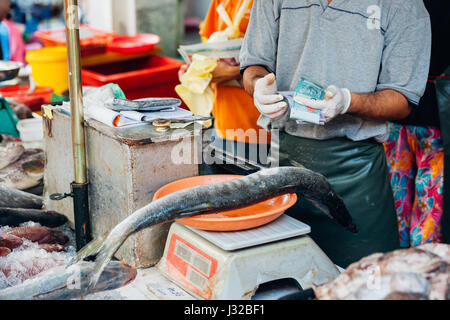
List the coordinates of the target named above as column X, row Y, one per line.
column 106, row 252
column 100, row 264
column 91, row 249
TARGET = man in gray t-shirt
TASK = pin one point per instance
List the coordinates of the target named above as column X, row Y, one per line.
column 373, row 57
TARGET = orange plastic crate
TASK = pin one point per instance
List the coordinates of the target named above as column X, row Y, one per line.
column 92, row 41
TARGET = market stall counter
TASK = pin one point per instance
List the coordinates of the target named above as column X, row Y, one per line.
column 125, row 167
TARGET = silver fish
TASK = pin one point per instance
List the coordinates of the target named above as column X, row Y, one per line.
column 25, row 173
column 63, row 283
column 236, row 193
column 13, row 198
column 10, row 154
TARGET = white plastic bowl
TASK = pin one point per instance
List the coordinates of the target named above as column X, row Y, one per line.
column 30, row 129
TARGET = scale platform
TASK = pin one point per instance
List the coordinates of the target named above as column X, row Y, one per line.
column 232, row 265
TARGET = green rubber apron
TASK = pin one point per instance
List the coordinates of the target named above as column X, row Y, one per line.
column 358, row 173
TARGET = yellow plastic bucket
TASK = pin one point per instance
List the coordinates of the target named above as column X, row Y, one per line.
column 50, row 68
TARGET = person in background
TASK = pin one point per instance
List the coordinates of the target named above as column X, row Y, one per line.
column 11, row 39
column 373, row 59
column 415, row 151
column 233, row 108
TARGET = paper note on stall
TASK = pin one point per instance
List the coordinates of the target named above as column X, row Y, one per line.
column 218, row 50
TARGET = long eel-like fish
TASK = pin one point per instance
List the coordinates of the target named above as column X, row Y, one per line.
column 232, row 194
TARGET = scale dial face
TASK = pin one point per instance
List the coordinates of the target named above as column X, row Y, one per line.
column 191, row 266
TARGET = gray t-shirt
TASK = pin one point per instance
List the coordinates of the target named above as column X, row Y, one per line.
column 362, row 45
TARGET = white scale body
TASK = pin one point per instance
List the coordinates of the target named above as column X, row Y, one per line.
column 215, row 265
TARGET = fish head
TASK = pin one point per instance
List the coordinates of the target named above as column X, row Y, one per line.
column 4, row 251
column 316, row 188
column 57, row 218
column 52, row 236
column 10, row 241
column 340, row 213
column 34, row 167
column 115, row 275
column 60, row 237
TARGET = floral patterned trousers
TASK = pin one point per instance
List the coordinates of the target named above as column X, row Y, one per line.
column 415, row 157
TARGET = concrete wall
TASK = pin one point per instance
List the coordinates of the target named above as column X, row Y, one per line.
column 196, row 8
column 162, row 17
column 99, row 13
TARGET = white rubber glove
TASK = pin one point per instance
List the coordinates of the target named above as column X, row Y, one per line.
column 267, row 100
column 337, row 101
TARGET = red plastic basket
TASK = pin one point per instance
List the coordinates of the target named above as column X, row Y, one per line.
column 139, row 43
column 92, row 41
column 40, row 96
column 155, row 76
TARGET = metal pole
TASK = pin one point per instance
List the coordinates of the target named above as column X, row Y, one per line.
column 80, row 184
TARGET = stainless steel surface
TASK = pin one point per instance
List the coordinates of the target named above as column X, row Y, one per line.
column 9, row 69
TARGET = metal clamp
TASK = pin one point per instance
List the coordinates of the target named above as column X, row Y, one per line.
column 60, row 196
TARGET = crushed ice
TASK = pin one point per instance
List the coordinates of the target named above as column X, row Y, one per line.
column 28, row 260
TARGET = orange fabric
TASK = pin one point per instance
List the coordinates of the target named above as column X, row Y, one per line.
column 233, row 108
column 213, row 22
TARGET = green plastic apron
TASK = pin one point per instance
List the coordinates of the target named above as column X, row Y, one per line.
column 358, row 173
column 443, row 100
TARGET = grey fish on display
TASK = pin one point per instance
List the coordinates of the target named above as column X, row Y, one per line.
column 13, row 198
column 10, row 154
column 26, row 172
column 13, row 217
column 240, row 192
column 63, row 283
column 144, row 105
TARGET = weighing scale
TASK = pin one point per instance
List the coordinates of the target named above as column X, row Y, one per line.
column 231, row 265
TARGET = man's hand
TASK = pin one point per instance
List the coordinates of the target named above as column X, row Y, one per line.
column 337, row 101
column 267, row 100
column 225, row 71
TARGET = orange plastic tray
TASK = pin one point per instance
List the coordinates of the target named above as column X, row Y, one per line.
column 230, row 220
